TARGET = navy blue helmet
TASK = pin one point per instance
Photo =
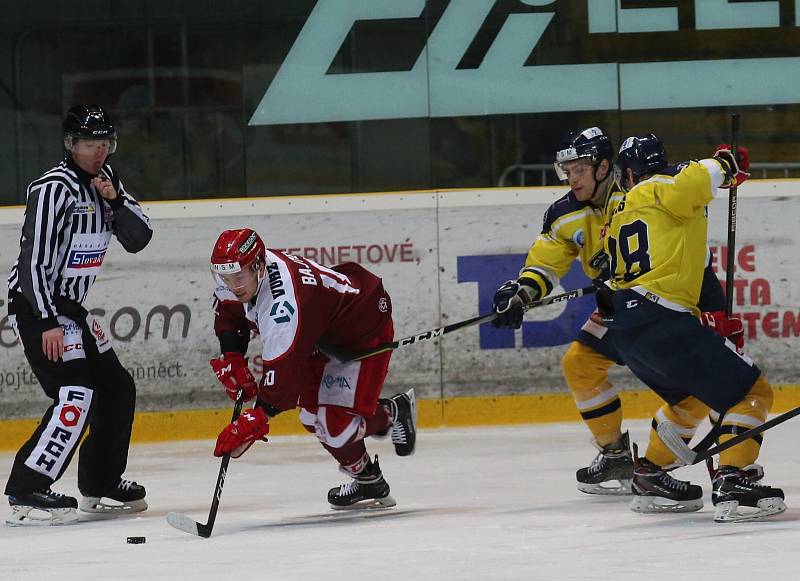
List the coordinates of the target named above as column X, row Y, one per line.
column 643, row 154
column 590, row 143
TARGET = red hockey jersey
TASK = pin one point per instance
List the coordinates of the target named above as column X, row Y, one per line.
column 300, row 306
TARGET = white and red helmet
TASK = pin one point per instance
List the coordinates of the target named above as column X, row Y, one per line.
column 237, row 252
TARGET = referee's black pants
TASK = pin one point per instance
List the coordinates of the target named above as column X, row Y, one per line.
column 90, row 389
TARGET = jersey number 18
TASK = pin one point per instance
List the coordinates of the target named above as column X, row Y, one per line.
column 634, row 253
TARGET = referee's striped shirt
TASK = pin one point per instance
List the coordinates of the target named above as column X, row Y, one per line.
column 66, row 232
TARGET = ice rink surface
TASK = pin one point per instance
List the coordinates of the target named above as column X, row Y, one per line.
column 482, row 503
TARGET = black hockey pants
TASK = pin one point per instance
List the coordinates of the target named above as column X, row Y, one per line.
column 90, row 389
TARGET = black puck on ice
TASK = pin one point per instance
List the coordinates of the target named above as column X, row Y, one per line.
column 136, row 540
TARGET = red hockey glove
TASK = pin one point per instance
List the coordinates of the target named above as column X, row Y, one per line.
column 238, row 436
column 738, row 167
column 719, row 322
column 232, row 371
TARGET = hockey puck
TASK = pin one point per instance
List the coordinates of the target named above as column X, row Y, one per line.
column 136, row 540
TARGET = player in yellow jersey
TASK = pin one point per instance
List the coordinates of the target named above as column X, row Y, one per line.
column 572, row 229
column 656, row 241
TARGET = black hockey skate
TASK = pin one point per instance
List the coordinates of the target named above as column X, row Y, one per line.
column 733, row 489
column 128, row 497
column 60, row 509
column 655, row 490
column 367, row 490
column 754, row 472
column 610, row 472
column 403, row 412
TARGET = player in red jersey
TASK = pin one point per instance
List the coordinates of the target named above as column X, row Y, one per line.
column 303, row 310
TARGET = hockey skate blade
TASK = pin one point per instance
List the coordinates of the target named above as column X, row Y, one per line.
column 623, row 488
column 21, row 517
column 766, row 507
column 372, row 504
column 188, row 525
column 94, row 504
column 658, row 504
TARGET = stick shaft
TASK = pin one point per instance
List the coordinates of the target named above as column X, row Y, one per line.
column 188, row 525
column 223, row 470
column 434, row 333
column 752, row 432
column 732, row 202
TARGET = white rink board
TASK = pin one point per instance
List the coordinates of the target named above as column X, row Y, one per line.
column 441, row 255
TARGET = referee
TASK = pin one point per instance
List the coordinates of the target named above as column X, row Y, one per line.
column 72, row 212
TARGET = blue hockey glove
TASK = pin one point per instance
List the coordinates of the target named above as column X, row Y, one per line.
column 509, row 304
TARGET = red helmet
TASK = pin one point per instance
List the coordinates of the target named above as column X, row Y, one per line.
column 234, row 252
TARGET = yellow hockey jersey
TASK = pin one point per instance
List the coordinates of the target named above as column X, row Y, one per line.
column 657, row 235
column 571, row 229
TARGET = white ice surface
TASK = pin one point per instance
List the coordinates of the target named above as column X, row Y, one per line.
column 483, row 503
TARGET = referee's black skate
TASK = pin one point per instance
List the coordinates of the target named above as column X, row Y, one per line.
column 403, row 413
column 367, row 490
column 655, row 490
column 610, row 472
column 30, row 508
column 734, row 489
column 128, row 496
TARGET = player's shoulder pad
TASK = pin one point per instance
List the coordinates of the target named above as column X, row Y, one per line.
column 674, row 169
column 64, row 179
column 277, row 259
column 567, row 204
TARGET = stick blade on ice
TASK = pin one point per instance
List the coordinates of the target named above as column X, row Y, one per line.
column 668, row 432
column 184, row 523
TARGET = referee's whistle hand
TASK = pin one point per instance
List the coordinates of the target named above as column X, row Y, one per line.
column 104, row 188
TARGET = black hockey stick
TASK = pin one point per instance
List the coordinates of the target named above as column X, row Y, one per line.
column 732, row 199
column 186, row 524
column 689, row 456
column 343, row 357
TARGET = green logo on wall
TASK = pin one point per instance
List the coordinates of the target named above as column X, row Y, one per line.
column 304, row 92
